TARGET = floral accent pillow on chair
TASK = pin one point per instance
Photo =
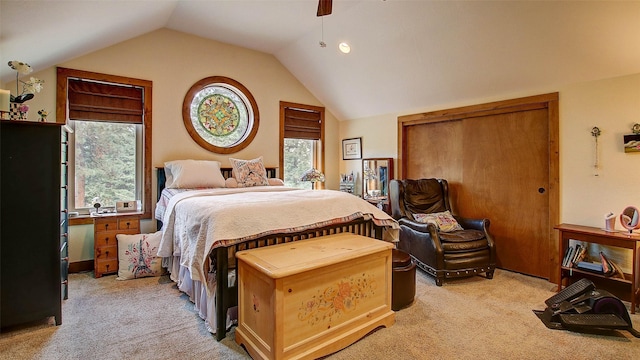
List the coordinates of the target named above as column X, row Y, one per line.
column 249, row 172
column 137, row 256
column 443, row 220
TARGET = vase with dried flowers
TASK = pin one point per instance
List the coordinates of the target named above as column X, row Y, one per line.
column 29, row 89
column 23, row 109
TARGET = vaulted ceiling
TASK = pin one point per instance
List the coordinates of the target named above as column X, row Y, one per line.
column 406, row 54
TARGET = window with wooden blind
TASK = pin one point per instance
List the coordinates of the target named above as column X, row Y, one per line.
column 97, row 101
column 110, row 147
column 301, row 142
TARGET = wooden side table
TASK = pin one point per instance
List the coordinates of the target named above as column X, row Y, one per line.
column 599, row 236
column 381, row 202
column 105, row 244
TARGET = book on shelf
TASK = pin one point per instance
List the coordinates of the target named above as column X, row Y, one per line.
column 568, row 256
column 590, row 266
column 579, row 254
column 582, row 255
column 573, row 255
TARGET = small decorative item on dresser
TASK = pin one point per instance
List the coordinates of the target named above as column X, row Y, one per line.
column 43, row 115
column 5, row 95
column 347, row 183
column 18, row 110
column 23, row 109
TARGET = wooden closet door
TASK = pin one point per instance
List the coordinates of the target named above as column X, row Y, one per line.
column 506, row 179
column 500, row 160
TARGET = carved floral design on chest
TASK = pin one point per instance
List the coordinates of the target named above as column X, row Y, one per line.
column 337, row 299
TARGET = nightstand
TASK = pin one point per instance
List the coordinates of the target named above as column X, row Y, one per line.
column 105, row 244
column 382, row 202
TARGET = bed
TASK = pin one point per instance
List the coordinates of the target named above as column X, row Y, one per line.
column 201, row 231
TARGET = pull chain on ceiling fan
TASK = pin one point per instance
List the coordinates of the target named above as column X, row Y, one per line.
column 322, row 43
column 324, row 8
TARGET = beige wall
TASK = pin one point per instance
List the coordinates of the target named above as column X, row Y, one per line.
column 379, row 139
column 611, row 104
column 174, row 61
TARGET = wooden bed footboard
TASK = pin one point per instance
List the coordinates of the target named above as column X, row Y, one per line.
column 227, row 296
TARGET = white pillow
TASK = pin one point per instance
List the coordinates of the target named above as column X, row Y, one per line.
column 137, row 256
column 249, row 172
column 192, row 174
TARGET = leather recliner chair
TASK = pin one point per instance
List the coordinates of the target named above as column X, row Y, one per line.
column 444, row 255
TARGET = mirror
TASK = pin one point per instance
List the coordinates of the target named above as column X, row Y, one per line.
column 376, row 176
column 629, row 218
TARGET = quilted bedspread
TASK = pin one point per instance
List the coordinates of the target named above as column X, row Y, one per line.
column 196, row 222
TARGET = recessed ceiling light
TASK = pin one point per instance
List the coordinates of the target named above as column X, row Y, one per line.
column 344, row 47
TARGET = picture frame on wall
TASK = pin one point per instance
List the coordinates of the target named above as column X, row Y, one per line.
column 352, row 148
column 631, row 143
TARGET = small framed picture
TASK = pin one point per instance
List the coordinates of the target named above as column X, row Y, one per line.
column 631, row 143
column 352, row 148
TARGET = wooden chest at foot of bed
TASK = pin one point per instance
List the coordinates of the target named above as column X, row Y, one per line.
column 310, row 298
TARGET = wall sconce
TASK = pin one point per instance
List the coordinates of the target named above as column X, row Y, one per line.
column 595, row 132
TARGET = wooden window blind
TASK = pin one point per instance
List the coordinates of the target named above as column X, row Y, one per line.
column 302, row 124
column 97, row 101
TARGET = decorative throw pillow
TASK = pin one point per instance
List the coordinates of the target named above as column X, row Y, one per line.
column 193, row 174
column 137, row 256
column 231, row 182
column 443, row 220
column 249, row 172
column 275, row 182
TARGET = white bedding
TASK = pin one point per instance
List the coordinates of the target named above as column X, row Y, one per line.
column 197, row 221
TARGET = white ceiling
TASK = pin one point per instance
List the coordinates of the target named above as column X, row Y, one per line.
column 406, row 54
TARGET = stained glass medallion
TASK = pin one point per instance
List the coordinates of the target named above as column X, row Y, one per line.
column 220, row 114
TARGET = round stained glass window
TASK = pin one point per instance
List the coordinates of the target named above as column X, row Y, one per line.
column 220, row 114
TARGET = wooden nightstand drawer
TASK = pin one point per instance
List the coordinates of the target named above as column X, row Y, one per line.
column 105, row 238
column 129, row 224
column 106, row 266
column 107, row 253
column 105, row 224
column 105, row 242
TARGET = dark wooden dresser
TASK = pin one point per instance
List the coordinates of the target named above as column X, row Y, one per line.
column 30, row 230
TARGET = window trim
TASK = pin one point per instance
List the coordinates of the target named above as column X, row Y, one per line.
column 62, row 111
column 318, row 153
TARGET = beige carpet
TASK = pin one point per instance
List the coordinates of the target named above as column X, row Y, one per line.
column 472, row 318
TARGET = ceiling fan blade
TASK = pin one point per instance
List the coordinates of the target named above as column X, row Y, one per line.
column 324, row 7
